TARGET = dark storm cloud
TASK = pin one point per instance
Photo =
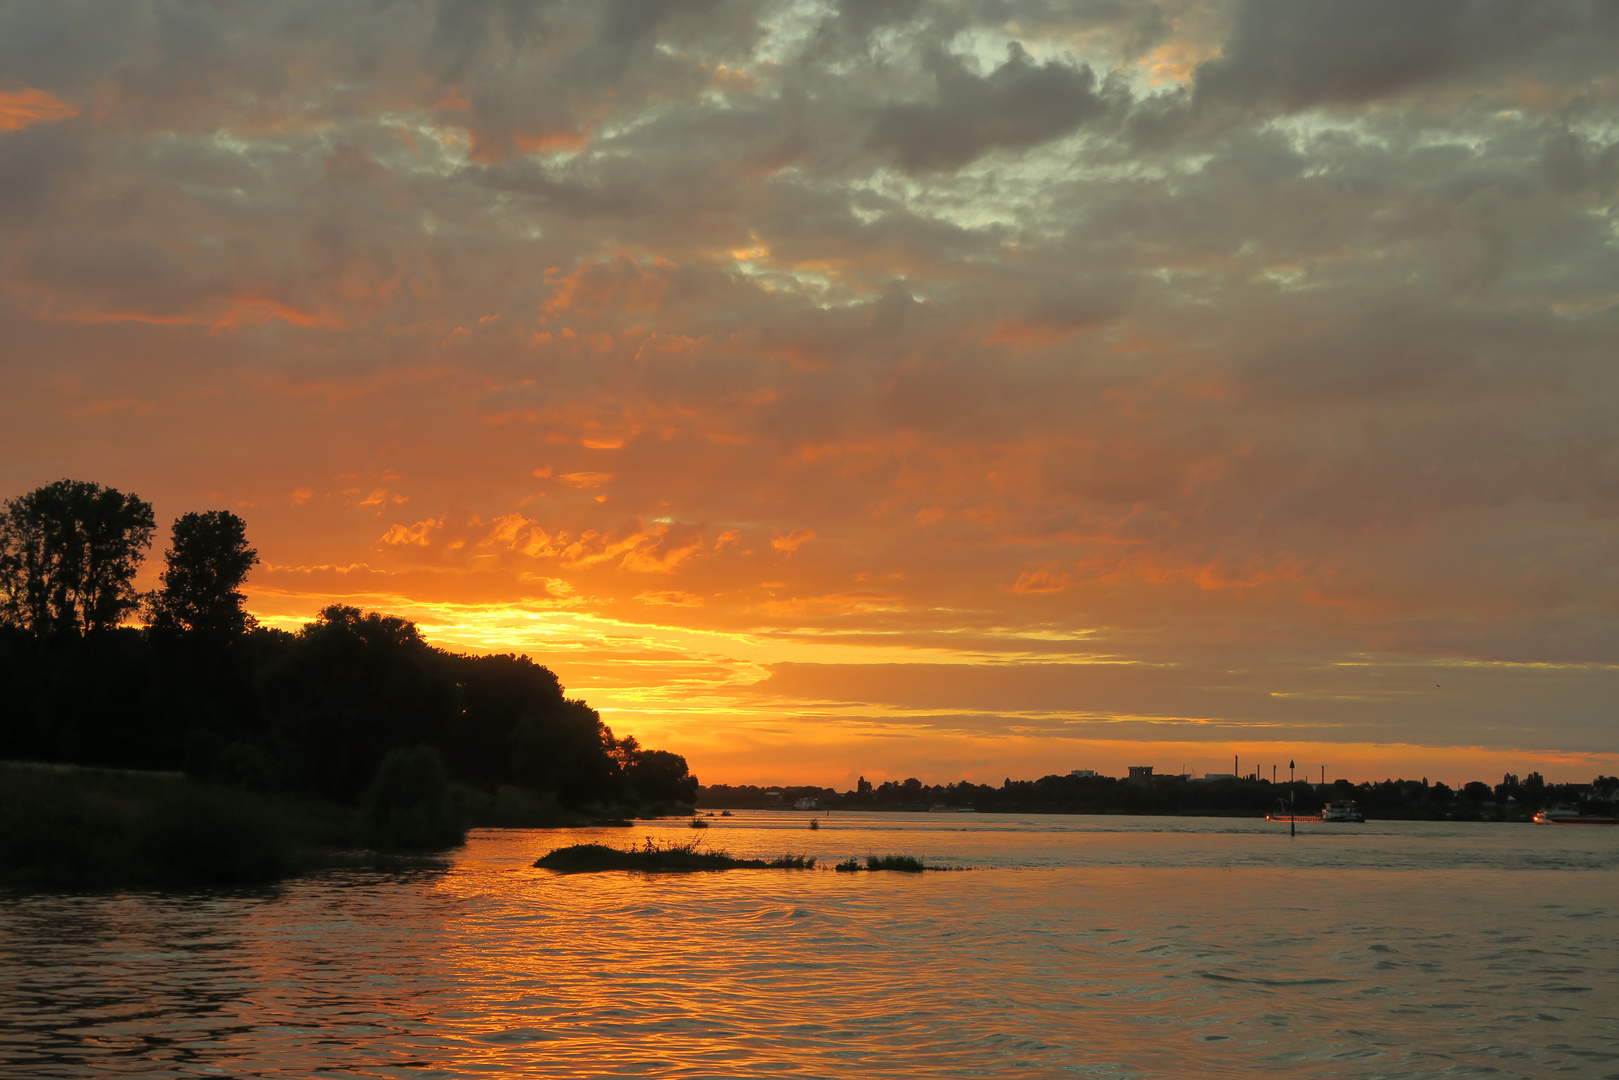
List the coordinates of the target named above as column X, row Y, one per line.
column 1018, row 105
column 1296, row 55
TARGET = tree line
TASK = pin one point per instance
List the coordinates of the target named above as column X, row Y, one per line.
column 94, row 672
column 1510, row 800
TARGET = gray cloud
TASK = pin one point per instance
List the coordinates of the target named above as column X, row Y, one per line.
column 1018, row 105
column 1298, row 55
column 1225, row 376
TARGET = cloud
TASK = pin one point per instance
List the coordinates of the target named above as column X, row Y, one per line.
column 792, row 541
column 1018, row 105
column 1041, row 581
column 420, row 533
column 1349, row 51
column 1242, row 340
column 585, row 480
column 26, row 106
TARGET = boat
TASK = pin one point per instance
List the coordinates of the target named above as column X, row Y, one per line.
column 1563, row 815
column 1342, row 810
column 1335, row 811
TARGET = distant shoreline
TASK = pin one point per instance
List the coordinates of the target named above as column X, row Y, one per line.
column 1179, row 796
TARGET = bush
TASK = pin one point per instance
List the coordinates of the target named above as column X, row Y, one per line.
column 408, row 804
column 908, row 864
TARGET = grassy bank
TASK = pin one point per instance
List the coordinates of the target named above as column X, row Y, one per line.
column 656, row 858
column 74, row 827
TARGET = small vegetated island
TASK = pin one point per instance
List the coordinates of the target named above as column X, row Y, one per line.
column 660, row 858
column 652, row 857
column 165, row 738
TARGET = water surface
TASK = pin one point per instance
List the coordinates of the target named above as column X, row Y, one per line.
column 1071, row 946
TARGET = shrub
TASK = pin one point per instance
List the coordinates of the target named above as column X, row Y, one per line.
column 408, row 805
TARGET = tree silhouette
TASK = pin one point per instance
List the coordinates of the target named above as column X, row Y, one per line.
column 68, row 556
column 207, row 564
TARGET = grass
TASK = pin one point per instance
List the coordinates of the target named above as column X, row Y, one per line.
column 83, row 828
column 698, row 823
column 660, row 858
column 67, row 827
column 907, row 864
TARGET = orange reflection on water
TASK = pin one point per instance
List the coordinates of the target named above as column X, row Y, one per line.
column 1101, row 946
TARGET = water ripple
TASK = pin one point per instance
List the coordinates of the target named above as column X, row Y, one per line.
column 1198, row 949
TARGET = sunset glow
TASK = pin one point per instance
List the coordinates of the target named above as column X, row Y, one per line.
column 950, row 391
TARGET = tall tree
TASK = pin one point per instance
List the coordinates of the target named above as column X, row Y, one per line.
column 68, row 556
column 207, row 563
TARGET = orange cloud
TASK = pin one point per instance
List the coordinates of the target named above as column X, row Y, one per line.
column 419, row 534
column 236, row 314
column 585, row 480
column 27, row 106
column 622, row 285
column 669, row 598
column 1041, row 581
column 792, row 541
column 1024, row 334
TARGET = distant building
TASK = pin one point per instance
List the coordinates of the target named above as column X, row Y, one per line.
column 1141, row 773
column 1083, row 772
column 807, row 803
column 1219, row 776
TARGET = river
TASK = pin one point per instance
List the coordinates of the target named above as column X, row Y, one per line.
column 1066, row 946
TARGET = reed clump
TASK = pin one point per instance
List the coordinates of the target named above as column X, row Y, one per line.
column 905, row 864
column 653, row 857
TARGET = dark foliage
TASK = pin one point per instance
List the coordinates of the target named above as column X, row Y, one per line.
column 68, row 556
column 1511, row 800
column 659, row 777
column 905, row 864
column 354, row 706
column 316, row 714
column 408, row 804
column 207, row 562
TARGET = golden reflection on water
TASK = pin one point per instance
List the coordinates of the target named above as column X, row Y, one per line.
column 1092, row 947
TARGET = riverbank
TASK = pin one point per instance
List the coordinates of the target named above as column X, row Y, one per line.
column 75, row 827
column 85, row 827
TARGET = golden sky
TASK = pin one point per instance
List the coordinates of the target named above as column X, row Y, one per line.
column 956, row 389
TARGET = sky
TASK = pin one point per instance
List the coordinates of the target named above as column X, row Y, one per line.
column 958, row 390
